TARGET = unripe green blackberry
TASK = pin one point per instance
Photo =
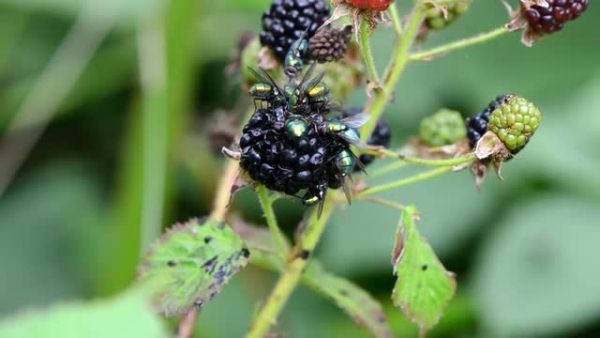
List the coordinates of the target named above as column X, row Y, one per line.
column 436, row 20
column 288, row 20
column 514, row 122
column 442, row 128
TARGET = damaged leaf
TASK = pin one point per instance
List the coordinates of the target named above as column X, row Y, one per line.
column 191, row 263
column 424, row 287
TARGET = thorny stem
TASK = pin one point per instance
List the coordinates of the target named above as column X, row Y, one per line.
column 293, row 271
column 396, row 70
column 367, row 54
column 266, row 203
column 404, row 182
column 481, row 38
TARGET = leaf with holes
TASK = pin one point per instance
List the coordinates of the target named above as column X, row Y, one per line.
column 351, row 298
column 191, row 263
column 424, row 287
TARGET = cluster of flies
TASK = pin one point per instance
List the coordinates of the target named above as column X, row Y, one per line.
column 298, row 110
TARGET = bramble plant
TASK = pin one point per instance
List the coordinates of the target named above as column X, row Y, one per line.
column 299, row 142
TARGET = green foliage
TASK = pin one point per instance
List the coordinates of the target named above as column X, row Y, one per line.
column 127, row 315
column 191, row 263
column 424, row 287
column 42, row 236
column 536, row 275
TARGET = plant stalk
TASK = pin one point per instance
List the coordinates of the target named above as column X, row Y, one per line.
column 404, row 182
column 463, row 43
column 391, row 80
column 266, row 203
column 367, row 54
column 293, row 271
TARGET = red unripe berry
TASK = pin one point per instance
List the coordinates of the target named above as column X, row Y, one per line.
column 378, row 5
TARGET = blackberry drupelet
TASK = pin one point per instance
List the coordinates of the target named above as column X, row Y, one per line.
column 478, row 124
column 271, row 156
column 288, row 20
column 546, row 20
column 381, row 136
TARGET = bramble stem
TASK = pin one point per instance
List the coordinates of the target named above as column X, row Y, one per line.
column 293, row 272
column 404, row 182
column 435, row 52
column 395, row 19
column 387, row 169
column 391, row 80
column 428, row 162
column 367, row 54
column 266, row 203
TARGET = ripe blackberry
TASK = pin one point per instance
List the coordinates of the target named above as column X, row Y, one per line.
column 514, row 122
column 288, row 20
column 381, row 136
column 546, row 20
column 478, row 124
column 288, row 164
column 442, row 128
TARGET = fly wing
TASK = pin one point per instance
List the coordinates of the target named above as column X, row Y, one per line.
column 347, row 191
column 356, row 121
column 264, row 76
column 313, row 82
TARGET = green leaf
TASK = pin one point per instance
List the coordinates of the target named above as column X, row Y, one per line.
column 191, row 264
column 351, row 298
column 127, row 315
column 424, row 287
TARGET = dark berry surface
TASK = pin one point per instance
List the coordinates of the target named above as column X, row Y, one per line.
column 287, row 164
column 287, row 20
column 478, row 124
column 381, row 136
column 546, row 20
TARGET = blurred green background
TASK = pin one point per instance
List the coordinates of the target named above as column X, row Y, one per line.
column 117, row 147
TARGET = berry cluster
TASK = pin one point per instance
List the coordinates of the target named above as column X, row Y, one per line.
column 514, row 122
column 285, row 162
column 289, row 20
column 551, row 18
column 436, row 19
column 512, row 118
column 478, row 124
column 442, row 128
column 329, row 44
